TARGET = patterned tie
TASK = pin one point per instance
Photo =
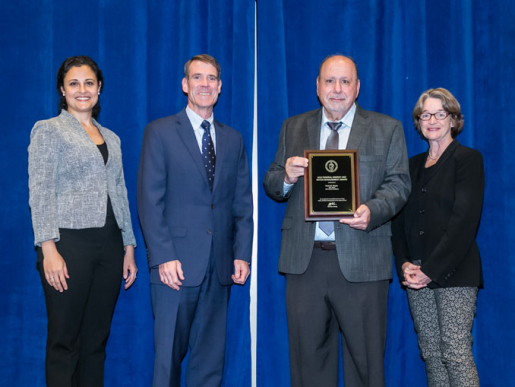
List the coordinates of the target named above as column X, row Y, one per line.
column 208, row 153
column 332, row 143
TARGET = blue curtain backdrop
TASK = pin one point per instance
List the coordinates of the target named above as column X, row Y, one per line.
column 141, row 48
column 401, row 48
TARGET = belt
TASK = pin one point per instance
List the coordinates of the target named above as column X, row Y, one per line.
column 325, row 245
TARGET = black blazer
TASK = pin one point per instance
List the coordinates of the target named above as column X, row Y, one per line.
column 439, row 223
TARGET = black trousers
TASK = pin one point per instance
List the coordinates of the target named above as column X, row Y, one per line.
column 79, row 319
column 320, row 304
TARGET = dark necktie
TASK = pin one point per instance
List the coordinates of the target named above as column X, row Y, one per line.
column 333, row 139
column 332, row 143
column 208, row 153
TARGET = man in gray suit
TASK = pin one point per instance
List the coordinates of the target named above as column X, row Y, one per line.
column 337, row 273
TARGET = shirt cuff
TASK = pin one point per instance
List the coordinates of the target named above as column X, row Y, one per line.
column 286, row 188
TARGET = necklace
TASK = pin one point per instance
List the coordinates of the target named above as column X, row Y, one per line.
column 441, row 148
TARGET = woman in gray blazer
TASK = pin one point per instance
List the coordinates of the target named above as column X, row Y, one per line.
column 434, row 243
column 82, row 226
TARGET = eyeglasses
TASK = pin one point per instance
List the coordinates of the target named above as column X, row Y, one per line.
column 438, row 115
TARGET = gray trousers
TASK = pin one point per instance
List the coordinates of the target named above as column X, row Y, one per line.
column 443, row 320
column 320, row 304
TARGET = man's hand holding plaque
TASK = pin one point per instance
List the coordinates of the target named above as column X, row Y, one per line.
column 360, row 220
column 295, row 167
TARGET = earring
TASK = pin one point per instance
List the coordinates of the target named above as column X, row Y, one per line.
column 64, row 94
column 99, row 93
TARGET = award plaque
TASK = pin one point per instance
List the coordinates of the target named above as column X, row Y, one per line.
column 331, row 184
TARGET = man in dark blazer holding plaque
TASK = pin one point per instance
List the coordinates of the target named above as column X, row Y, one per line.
column 337, row 273
column 195, row 209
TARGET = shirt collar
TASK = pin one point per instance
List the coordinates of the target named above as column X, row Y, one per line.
column 347, row 118
column 197, row 120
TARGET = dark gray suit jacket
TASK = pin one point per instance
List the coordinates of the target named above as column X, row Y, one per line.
column 384, row 188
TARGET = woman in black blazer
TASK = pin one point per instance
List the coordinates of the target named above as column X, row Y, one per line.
column 436, row 254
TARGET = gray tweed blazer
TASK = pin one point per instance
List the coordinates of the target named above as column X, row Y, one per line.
column 69, row 183
column 384, row 187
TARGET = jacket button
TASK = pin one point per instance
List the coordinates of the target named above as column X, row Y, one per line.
column 421, row 232
column 422, row 212
column 424, row 190
column 209, row 231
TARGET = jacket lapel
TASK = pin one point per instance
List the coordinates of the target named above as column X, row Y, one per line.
column 187, row 136
column 221, row 143
column 313, row 128
column 447, row 154
column 359, row 128
column 85, row 139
